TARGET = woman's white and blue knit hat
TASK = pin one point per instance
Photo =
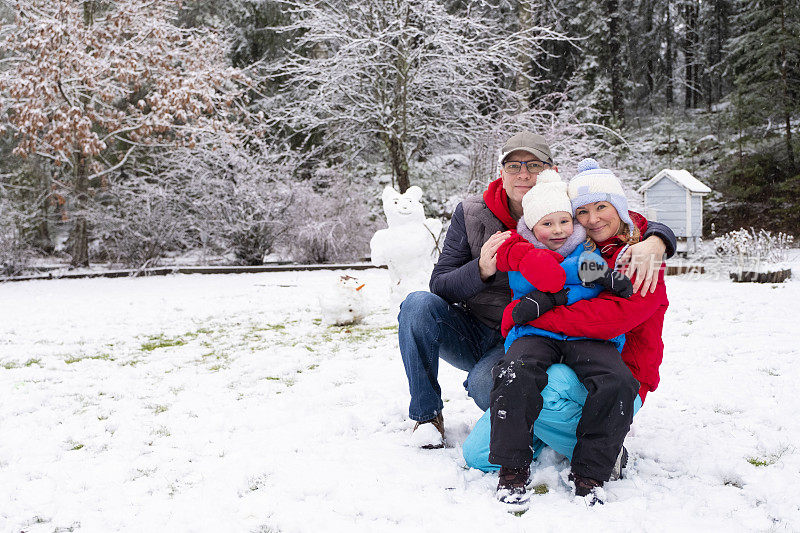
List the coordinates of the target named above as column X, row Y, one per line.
column 594, row 184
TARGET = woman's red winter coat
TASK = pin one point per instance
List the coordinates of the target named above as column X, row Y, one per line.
column 640, row 318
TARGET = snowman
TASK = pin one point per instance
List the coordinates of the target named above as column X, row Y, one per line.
column 409, row 246
column 344, row 303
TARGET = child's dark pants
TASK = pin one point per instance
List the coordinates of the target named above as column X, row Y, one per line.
column 516, row 401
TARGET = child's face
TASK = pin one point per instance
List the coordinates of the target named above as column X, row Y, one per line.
column 553, row 229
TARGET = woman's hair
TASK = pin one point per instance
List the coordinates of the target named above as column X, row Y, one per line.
column 630, row 234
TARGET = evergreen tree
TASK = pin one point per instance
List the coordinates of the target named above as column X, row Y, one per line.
column 715, row 24
column 597, row 83
column 692, row 56
column 765, row 58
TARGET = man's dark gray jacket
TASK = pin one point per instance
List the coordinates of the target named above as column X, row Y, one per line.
column 456, row 277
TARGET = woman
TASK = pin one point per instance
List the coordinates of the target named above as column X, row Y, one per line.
column 601, row 208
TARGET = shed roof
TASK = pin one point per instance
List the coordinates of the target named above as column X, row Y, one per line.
column 681, row 177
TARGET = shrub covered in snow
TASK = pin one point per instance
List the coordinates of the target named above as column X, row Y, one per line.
column 137, row 224
column 753, row 250
column 328, row 226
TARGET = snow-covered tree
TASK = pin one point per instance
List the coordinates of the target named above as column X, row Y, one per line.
column 235, row 198
column 401, row 77
column 88, row 83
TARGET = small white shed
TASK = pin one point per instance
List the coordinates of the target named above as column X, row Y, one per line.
column 675, row 198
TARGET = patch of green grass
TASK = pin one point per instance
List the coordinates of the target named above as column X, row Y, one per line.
column 76, row 446
column 357, row 333
column 9, row 365
column 268, row 327
column 161, row 341
column 31, row 362
column 272, row 378
column 215, row 368
column 755, row 461
column 191, row 335
column 312, row 367
column 158, row 409
column 79, row 358
column 161, row 431
column 541, row 488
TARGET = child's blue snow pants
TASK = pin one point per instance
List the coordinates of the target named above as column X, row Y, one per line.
column 563, row 397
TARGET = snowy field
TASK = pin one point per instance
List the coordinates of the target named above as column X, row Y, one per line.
column 221, row 403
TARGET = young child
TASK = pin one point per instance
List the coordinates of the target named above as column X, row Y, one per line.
column 549, row 253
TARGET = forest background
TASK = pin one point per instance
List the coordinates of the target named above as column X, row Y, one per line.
column 135, row 132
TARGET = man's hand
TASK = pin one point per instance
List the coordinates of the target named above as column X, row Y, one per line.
column 641, row 262
column 487, row 263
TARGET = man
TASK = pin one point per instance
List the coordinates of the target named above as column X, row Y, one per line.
column 459, row 320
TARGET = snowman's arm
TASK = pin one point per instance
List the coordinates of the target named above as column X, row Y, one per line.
column 434, row 225
column 456, row 276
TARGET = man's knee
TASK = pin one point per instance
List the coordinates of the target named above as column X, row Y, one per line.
column 418, row 306
column 479, row 385
column 479, row 382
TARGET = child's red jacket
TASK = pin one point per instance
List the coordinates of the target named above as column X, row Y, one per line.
column 640, row 318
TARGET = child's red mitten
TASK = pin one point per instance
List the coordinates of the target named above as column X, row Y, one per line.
column 542, row 268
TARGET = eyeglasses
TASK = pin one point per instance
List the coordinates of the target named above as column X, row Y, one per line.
column 515, row 167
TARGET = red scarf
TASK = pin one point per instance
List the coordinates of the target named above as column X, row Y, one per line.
column 497, row 201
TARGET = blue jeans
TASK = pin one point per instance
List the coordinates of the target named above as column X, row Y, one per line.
column 430, row 329
column 563, row 398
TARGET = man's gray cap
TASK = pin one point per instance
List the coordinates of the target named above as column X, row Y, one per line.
column 529, row 142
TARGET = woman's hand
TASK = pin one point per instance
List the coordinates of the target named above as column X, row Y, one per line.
column 642, row 261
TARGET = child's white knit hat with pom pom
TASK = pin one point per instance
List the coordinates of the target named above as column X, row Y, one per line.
column 549, row 195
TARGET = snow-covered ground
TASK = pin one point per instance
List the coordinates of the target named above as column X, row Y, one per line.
column 222, row 403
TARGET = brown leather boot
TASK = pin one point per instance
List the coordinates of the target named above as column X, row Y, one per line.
column 438, row 423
